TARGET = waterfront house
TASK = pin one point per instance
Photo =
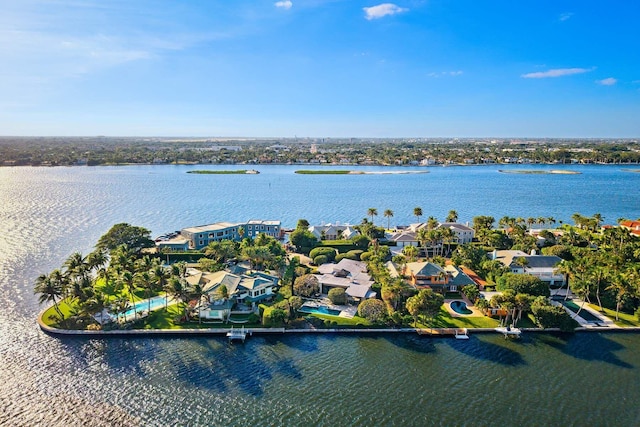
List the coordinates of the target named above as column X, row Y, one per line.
column 462, row 233
column 541, row 266
column 333, row 231
column 349, row 275
column 255, row 227
column 175, row 243
column 632, row 226
column 243, row 292
column 200, row 236
column 426, row 274
column 404, row 238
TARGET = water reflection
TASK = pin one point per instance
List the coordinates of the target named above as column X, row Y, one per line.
column 588, row 346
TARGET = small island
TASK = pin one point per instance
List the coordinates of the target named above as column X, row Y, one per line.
column 226, row 172
column 540, row 172
column 354, row 172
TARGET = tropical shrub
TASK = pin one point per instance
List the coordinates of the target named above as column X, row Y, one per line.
column 306, row 285
column 320, row 259
column 374, row 310
column 337, row 296
column 330, row 253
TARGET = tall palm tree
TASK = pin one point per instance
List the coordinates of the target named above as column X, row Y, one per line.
column 372, row 212
column 50, row 290
column 452, row 216
column 621, row 286
column 145, row 281
column 388, row 214
column 178, row 289
column 127, row 280
column 160, row 275
column 411, row 252
column 417, row 212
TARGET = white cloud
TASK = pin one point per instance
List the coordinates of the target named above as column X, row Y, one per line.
column 445, row 74
column 565, row 16
column 284, row 4
column 607, row 82
column 382, row 10
column 558, row 72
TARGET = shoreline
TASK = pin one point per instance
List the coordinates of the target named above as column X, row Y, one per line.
column 221, row 332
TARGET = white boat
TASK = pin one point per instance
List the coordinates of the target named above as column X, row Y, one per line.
column 461, row 334
column 509, row 331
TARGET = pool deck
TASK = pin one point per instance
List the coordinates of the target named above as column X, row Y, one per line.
column 603, row 322
column 474, row 311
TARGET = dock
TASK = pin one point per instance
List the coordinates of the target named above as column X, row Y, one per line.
column 237, row 334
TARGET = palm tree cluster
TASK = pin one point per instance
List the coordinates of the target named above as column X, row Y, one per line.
column 101, row 280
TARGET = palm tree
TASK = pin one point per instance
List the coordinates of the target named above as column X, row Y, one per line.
column 127, row 279
column 97, row 259
column 372, row 212
column 411, row 252
column 417, row 212
column 178, row 289
column 145, row 281
column 159, row 275
column 621, row 286
column 50, row 290
column 530, row 222
column 452, row 216
column 388, row 214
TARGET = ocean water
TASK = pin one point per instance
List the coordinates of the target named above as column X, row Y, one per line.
column 48, row 213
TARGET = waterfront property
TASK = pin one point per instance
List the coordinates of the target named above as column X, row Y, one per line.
column 409, row 236
column 333, row 231
column 540, row 266
column 200, row 236
column 349, row 275
column 224, row 292
column 426, row 274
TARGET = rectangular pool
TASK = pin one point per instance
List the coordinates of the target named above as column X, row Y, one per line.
column 320, row 309
column 586, row 315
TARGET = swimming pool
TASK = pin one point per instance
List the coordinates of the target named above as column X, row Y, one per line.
column 460, row 307
column 586, row 315
column 320, row 309
column 156, row 303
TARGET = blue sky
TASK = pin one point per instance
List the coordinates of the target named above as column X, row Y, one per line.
column 323, row 68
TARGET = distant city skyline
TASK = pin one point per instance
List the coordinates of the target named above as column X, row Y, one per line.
column 320, row 68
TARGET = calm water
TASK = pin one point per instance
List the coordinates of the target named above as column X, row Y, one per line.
column 47, row 213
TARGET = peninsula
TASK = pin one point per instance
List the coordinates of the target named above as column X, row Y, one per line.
column 430, row 277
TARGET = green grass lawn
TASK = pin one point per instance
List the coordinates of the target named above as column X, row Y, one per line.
column 445, row 320
column 343, row 321
column 625, row 319
column 49, row 315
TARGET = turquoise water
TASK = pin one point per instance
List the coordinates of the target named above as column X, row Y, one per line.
column 460, row 307
column 321, row 309
column 155, row 303
column 392, row 380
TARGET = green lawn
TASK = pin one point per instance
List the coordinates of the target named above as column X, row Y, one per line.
column 445, row 320
column 625, row 319
column 343, row 321
column 50, row 313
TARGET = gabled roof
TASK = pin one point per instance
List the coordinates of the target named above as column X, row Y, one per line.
column 404, row 236
column 509, row 258
column 456, row 226
column 424, row 268
column 457, row 276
